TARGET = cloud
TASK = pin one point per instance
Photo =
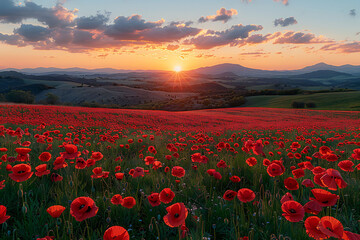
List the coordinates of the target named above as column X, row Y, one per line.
column 352, row 47
column 129, row 27
column 169, row 33
column 93, row 22
column 33, row 33
column 220, row 38
column 300, row 38
column 285, row 22
column 254, row 54
column 172, row 47
column 12, row 40
column 57, row 16
column 88, row 32
column 285, row 2
column 259, row 38
column 221, row 15
column 352, row 12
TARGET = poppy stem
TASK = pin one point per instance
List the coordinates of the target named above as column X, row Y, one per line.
column 57, row 229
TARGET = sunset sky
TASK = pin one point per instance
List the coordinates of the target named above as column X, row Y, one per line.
column 162, row 34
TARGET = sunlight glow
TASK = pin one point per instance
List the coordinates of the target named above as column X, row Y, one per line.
column 177, row 68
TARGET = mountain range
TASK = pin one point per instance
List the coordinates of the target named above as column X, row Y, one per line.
column 227, row 68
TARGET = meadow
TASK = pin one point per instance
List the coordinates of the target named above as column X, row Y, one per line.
column 238, row 173
column 345, row 101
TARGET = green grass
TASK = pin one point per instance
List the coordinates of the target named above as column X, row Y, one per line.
column 347, row 101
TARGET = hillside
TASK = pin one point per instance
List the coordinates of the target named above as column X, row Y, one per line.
column 349, row 101
column 322, row 74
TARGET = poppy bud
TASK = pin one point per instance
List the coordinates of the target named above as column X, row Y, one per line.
column 24, row 209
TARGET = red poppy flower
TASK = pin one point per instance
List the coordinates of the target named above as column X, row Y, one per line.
column 21, row 172
column 99, row 173
column 332, row 179
column 154, row 199
column 276, row 168
column 116, row 233
column 324, row 150
column 149, row 160
column 166, row 195
column 83, row 208
column 59, row 163
column 350, row 236
column 323, row 197
column 258, row 148
column 177, row 213
column 2, row 185
column 293, row 211
column 80, row 163
column 97, row 156
column 197, row 157
column 46, row 238
column 23, row 151
column 246, row 195
column 286, row 197
column 90, row 162
column 45, row 156
column 3, row 216
column 157, row 165
column 128, row 202
column 295, row 145
column 116, row 199
column 55, row 211
column 251, row 161
column 217, row 175
column 331, row 157
column 298, row 173
column 266, row 162
column 311, row 224
column 356, row 154
column 23, row 154
column 41, row 170
column 56, row 177
column 346, row 165
column 138, row 172
column 211, row 171
column 119, row 176
column 313, row 207
column 71, row 152
column 307, row 183
column 291, row 184
column 331, row 227
column 221, row 164
column 235, row 179
column 229, row 195
column 178, row 171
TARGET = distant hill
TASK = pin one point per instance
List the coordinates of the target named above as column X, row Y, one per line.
column 322, row 74
column 234, row 69
column 239, row 70
column 72, row 71
column 352, row 69
column 228, row 70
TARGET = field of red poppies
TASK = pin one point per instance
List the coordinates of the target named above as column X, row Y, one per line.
column 241, row 173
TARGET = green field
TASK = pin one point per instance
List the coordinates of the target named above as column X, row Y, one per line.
column 349, row 101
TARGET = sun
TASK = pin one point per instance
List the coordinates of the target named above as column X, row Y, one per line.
column 177, row 69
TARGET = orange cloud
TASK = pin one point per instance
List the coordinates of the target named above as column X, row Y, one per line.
column 221, row 15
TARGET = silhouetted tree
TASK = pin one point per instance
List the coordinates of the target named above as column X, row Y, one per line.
column 20, row 96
